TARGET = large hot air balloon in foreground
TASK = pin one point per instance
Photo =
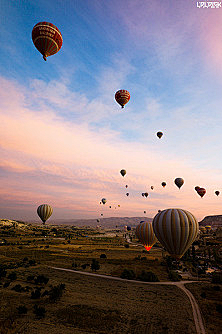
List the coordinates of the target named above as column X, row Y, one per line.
column 176, row 229
column 179, row 182
column 145, row 234
column 44, row 211
column 122, row 97
column 47, row 38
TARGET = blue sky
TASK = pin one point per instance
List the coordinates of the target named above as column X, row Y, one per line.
column 64, row 138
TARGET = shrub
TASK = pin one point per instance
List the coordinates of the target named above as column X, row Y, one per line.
column 56, row 292
column 216, row 278
column 39, row 311
column 216, row 287
column 203, row 294
column 126, row 245
column 18, row 288
column 22, row 309
column 148, row 276
column 95, row 265
column 6, row 284
column 219, row 308
column 128, row 274
column 35, row 294
column 3, row 272
column 12, row 276
column 103, row 256
column 174, row 276
column 32, row 262
column 25, row 259
column 83, row 266
column 30, row 278
column 40, row 279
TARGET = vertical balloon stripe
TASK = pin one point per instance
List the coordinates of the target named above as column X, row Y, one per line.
column 176, row 230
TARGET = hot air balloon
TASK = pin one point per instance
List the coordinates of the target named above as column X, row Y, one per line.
column 145, row 234
column 143, row 194
column 118, row 206
column 159, row 134
column 176, row 229
column 110, row 206
column 144, row 211
column 101, row 214
column 201, row 192
column 98, row 220
column 146, row 194
column 104, row 200
column 217, row 192
column 47, row 38
column 44, row 211
column 196, row 188
column 126, row 186
column 208, row 228
column 127, row 194
column 122, row 97
column 152, row 187
column 163, row 184
column 179, row 182
column 123, row 172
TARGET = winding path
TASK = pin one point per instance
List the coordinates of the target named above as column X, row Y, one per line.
column 196, row 311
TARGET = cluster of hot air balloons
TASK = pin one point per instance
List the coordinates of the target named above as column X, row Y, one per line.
column 176, row 230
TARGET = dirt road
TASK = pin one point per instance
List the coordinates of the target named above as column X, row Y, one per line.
column 196, row 311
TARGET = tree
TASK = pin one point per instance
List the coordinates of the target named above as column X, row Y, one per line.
column 95, row 265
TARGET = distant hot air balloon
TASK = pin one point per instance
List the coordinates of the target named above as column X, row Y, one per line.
column 101, row 214
column 176, row 229
column 123, row 172
column 47, row 38
column 126, row 186
column 146, row 194
column 143, row 194
column 179, row 182
column 201, row 192
column 196, row 188
column 98, row 220
column 118, row 206
column 145, row 234
column 127, row 194
column 110, row 206
column 44, row 211
column 144, row 211
column 159, row 134
column 163, row 184
column 122, row 97
column 152, row 187
column 217, row 192
column 104, row 200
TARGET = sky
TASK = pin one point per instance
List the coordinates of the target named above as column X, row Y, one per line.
column 63, row 137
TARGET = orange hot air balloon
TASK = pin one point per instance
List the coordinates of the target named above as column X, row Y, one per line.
column 122, row 97
column 47, row 38
column 201, row 192
column 145, row 234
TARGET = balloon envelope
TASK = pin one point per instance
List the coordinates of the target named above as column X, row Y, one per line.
column 145, row 234
column 47, row 38
column 123, row 172
column 217, row 192
column 201, row 192
column 44, row 211
column 176, row 229
column 152, row 187
column 159, row 134
column 163, row 184
column 104, row 200
column 146, row 194
column 122, row 97
column 179, row 182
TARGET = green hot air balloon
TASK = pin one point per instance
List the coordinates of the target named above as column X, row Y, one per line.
column 44, row 211
column 179, row 182
column 176, row 230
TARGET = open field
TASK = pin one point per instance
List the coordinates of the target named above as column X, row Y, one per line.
column 88, row 304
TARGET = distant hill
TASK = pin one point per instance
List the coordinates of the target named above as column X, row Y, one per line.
column 109, row 222
column 214, row 221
